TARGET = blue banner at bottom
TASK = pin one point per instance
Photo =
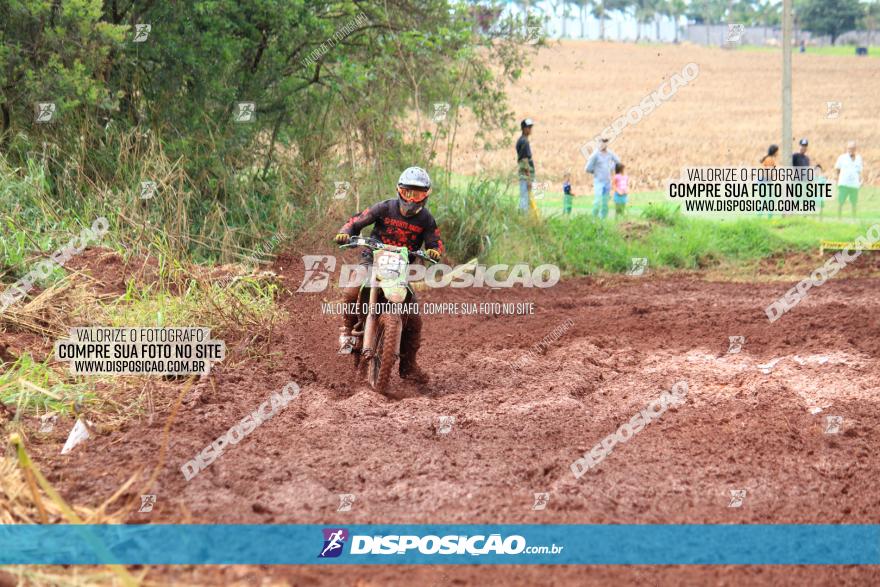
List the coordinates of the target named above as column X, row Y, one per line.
column 431, row 544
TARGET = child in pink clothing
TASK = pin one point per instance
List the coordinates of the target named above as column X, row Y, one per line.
column 620, row 188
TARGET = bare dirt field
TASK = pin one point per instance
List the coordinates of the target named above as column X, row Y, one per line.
column 728, row 115
column 743, row 427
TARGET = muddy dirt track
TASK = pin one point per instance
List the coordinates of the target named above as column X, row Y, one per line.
column 516, row 431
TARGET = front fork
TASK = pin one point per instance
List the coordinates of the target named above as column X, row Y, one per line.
column 370, row 328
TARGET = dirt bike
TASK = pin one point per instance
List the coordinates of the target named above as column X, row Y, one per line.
column 374, row 341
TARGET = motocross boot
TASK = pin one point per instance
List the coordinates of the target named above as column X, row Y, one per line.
column 346, row 341
column 412, row 340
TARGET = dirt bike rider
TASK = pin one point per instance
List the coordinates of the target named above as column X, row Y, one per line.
column 403, row 221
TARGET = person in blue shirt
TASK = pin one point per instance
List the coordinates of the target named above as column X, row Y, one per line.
column 601, row 164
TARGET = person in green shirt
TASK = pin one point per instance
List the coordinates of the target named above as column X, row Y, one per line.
column 819, row 177
column 567, row 194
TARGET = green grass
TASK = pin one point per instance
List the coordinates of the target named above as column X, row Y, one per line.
column 801, row 231
column 24, row 242
column 45, row 211
column 582, row 244
column 21, row 383
column 484, row 222
column 244, row 305
column 838, row 50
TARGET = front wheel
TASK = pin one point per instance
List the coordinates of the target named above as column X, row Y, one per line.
column 385, row 356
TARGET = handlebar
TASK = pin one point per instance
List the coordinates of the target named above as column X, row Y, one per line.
column 371, row 243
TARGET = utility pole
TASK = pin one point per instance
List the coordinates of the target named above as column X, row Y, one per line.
column 786, row 83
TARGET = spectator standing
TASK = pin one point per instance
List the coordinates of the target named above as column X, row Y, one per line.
column 849, row 180
column 769, row 160
column 800, row 159
column 567, row 195
column 819, row 177
column 620, row 185
column 526, row 167
column 601, row 164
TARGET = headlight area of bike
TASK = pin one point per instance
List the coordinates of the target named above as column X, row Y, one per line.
column 389, row 267
column 390, row 272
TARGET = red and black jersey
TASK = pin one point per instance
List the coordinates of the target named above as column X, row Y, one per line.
column 393, row 228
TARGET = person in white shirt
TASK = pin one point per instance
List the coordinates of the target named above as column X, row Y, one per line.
column 849, row 171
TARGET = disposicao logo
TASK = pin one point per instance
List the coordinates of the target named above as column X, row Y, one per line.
column 334, row 540
column 411, row 544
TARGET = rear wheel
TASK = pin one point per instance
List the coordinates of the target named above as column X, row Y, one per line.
column 381, row 364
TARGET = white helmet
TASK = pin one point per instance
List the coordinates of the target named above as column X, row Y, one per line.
column 415, row 177
column 413, row 189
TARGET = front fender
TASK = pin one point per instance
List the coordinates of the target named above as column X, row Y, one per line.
column 395, row 293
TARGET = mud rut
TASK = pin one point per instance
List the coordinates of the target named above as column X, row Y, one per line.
column 517, row 431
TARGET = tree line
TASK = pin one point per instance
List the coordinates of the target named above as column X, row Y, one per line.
column 821, row 17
